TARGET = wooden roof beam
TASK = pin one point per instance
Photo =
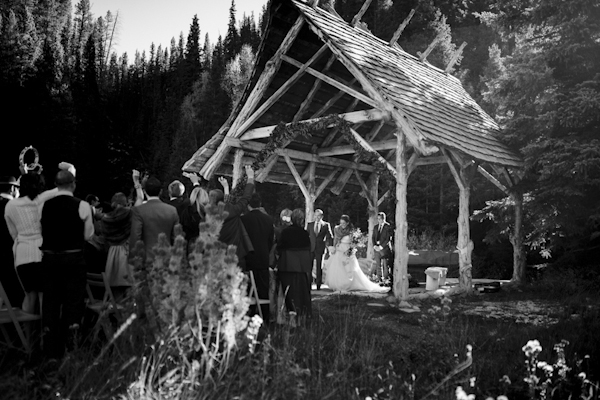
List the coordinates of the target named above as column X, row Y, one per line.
column 280, row 92
column 352, row 117
column 364, row 188
column 347, row 89
column 326, row 181
column 423, row 55
column 404, row 123
column 296, row 175
column 332, row 101
column 401, row 28
column 365, row 145
column 259, row 89
column 455, row 57
column 493, row 179
column 313, row 91
column 349, row 149
column 298, row 155
column 361, row 12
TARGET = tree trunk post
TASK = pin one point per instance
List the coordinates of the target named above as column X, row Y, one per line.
column 238, row 168
column 401, row 236
column 516, row 239
column 312, row 191
column 373, row 185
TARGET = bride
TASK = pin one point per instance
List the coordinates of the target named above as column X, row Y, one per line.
column 343, row 271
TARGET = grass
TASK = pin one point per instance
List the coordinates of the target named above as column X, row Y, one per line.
column 350, row 350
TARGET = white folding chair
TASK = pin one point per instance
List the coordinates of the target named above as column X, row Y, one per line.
column 254, row 299
column 15, row 315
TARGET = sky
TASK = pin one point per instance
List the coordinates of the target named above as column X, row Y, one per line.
column 142, row 22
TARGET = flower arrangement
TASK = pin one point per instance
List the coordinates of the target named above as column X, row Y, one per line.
column 357, row 240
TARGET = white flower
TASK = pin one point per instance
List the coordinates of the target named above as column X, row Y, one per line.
column 532, row 348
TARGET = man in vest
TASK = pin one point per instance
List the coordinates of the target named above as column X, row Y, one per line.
column 66, row 225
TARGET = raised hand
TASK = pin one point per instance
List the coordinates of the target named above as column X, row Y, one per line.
column 135, row 175
column 224, row 183
column 249, row 171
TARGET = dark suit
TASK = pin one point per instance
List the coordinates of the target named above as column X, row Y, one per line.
column 233, row 231
column 150, row 219
column 261, row 232
column 318, row 243
column 294, row 269
column 382, row 237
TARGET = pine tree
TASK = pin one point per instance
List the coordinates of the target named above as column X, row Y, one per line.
column 192, row 66
column 232, row 44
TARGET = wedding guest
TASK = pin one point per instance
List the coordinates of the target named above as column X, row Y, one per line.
column 176, row 196
column 66, row 225
column 381, row 238
column 9, row 189
column 320, row 238
column 261, row 231
column 116, row 226
column 194, row 214
column 152, row 218
column 233, row 231
column 24, row 224
column 295, row 265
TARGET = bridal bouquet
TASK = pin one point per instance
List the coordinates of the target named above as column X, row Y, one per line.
column 357, row 240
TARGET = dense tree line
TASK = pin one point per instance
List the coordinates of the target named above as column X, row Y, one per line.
column 533, row 65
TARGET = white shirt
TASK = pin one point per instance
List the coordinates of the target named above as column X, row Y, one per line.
column 23, row 220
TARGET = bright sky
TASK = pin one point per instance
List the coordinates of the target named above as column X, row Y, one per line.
column 142, row 22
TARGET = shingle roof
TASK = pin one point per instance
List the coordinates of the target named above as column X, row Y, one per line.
column 436, row 101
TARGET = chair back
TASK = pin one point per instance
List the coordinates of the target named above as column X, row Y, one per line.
column 15, row 315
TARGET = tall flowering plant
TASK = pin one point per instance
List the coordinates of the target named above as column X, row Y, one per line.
column 196, row 305
column 357, row 241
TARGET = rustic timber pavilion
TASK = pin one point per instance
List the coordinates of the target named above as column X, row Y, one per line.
column 331, row 106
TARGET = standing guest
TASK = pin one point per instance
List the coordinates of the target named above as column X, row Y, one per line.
column 116, row 226
column 176, row 198
column 66, row 225
column 261, row 232
column 24, row 223
column 152, row 218
column 320, row 238
column 233, row 231
column 94, row 201
column 9, row 189
column 194, row 214
column 295, row 265
column 382, row 236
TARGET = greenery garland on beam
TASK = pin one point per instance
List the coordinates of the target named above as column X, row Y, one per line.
column 284, row 133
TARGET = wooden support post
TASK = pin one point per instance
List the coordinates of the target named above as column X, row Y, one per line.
column 516, row 238
column 262, row 174
column 401, row 27
column 455, row 57
column 401, row 236
column 373, row 197
column 238, row 168
column 382, row 198
column 463, row 175
column 361, row 12
column 312, row 190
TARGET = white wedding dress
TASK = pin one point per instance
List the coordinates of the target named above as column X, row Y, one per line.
column 344, row 274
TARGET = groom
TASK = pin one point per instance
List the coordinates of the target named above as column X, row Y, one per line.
column 320, row 237
column 382, row 235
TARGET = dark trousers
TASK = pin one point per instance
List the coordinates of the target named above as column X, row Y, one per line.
column 64, row 295
column 262, row 278
column 318, row 256
column 381, row 268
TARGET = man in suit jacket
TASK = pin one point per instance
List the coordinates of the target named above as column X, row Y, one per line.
column 152, row 218
column 320, row 237
column 262, row 233
column 382, row 236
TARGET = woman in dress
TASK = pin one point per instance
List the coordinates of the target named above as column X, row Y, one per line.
column 116, row 227
column 343, row 270
column 295, row 265
column 23, row 218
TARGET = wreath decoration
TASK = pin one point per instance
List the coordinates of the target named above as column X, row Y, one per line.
column 35, row 165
